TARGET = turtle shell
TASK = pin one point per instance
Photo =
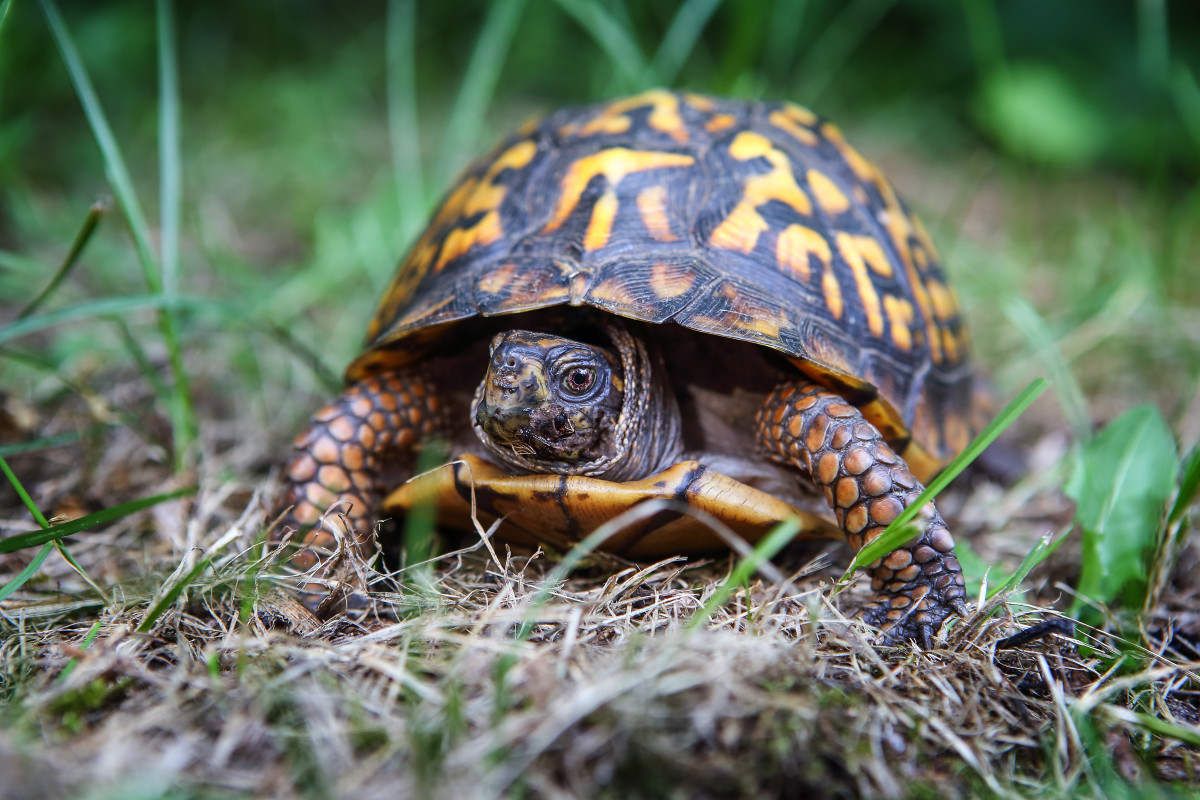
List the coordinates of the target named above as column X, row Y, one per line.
column 754, row 221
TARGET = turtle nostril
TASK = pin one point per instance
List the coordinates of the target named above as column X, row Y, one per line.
column 562, row 425
column 512, row 362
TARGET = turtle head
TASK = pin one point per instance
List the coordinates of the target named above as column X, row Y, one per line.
column 549, row 401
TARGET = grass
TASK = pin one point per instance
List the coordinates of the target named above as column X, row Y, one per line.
column 185, row 351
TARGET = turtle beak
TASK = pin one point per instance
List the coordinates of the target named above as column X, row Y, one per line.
column 515, row 385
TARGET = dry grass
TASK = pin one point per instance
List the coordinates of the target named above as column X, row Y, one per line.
column 477, row 679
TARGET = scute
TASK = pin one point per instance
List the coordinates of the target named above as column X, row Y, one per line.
column 753, row 221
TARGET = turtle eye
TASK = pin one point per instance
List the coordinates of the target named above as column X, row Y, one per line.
column 578, row 380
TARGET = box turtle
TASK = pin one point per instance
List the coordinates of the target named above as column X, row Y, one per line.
column 668, row 295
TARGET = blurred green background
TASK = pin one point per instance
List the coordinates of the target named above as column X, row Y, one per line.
column 1052, row 146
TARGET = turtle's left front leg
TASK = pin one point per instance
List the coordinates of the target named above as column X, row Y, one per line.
column 868, row 485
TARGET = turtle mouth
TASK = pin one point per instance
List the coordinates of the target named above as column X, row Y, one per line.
column 545, row 431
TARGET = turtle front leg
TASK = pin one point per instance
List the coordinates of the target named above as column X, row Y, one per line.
column 342, row 452
column 868, row 485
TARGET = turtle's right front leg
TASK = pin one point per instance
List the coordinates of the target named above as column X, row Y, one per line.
column 921, row 583
column 341, row 454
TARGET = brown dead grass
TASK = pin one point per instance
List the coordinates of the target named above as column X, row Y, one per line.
column 430, row 691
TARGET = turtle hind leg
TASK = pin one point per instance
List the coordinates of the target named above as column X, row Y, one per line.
column 917, row 586
column 341, row 454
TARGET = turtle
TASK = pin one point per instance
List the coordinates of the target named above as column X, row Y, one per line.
column 716, row 302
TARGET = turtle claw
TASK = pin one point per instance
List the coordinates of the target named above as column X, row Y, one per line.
column 925, row 636
column 959, row 607
column 920, row 625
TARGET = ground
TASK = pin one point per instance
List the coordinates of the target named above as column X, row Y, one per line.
column 164, row 667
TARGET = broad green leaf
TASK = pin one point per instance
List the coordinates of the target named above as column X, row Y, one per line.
column 1121, row 484
column 1036, row 113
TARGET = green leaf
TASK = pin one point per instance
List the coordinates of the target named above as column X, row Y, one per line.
column 1121, row 484
column 34, row 538
column 1034, row 112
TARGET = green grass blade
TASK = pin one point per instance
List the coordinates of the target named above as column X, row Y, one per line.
column 114, row 162
column 403, row 120
column 42, row 521
column 170, row 173
column 34, row 538
column 30, row 570
column 22, row 264
column 1044, row 548
column 1185, row 91
column 617, row 43
column 4, row 6
column 1045, row 347
column 168, row 599
column 479, row 83
column 36, row 512
column 1189, row 485
column 1153, row 46
column 97, row 308
column 84, row 645
column 592, row 541
column 841, row 37
column 46, row 442
column 94, row 215
column 120, row 306
column 764, row 551
column 985, row 34
column 1188, row 734
column 138, row 354
column 182, row 409
column 680, row 39
column 331, row 380
column 783, row 32
column 80, row 571
column 900, row 530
